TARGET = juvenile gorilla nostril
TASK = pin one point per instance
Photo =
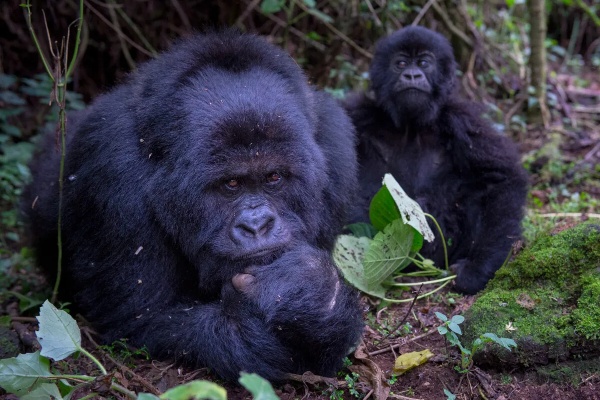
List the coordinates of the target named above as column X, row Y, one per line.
column 412, row 76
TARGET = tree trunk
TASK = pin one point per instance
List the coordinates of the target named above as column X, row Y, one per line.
column 537, row 60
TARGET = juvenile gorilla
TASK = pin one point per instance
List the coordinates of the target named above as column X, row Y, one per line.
column 201, row 203
column 442, row 153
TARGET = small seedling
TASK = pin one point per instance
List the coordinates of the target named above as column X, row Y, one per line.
column 450, row 329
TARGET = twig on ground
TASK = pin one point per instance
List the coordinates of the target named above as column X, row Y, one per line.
column 407, row 313
column 569, row 215
column 147, row 385
column 398, row 345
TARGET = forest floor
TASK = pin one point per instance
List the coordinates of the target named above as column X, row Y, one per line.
column 369, row 376
column 565, row 189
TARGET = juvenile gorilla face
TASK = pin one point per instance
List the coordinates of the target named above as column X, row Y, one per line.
column 412, row 73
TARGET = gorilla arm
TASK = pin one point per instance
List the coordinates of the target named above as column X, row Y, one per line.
column 492, row 163
column 312, row 310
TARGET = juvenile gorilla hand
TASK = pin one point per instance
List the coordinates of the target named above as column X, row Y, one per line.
column 305, row 301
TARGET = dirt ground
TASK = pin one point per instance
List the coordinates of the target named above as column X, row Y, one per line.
column 386, row 336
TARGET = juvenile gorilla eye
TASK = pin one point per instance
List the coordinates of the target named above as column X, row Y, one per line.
column 423, row 63
column 232, row 184
column 273, row 177
column 402, row 64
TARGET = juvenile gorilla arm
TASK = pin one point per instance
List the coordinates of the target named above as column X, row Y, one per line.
column 500, row 183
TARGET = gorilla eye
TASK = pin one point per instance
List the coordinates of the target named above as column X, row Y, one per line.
column 423, row 63
column 402, row 64
column 232, row 184
column 273, row 177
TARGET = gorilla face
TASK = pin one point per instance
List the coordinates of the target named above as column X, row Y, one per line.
column 413, row 74
column 247, row 159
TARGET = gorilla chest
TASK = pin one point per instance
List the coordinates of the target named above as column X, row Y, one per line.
column 419, row 169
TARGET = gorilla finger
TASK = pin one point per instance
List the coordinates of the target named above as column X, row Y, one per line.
column 243, row 283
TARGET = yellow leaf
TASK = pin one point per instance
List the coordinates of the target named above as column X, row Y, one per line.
column 408, row 361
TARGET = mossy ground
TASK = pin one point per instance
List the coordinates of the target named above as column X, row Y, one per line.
column 547, row 299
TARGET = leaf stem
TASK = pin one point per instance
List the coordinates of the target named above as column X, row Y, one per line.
column 94, row 359
column 86, row 378
column 442, row 237
column 423, row 295
column 444, row 279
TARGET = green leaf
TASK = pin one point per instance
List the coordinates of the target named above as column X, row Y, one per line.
column 21, row 374
column 389, row 252
column 507, row 343
column 196, row 390
column 455, row 328
column 360, row 229
column 458, row 319
column 453, row 339
column 410, row 210
column 320, row 15
column 59, row 334
column 11, row 98
column 449, row 394
column 348, row 255
column 7, row 80
column 383, row 209
column 271, row 6
column 441, row 316
column 5, row 321
column 25, row 302
column 442, row 329
column 44, row 391
column 147, row 396
column 260, row 388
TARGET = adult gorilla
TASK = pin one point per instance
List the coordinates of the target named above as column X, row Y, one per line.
column 202, row 200
column 442, row 153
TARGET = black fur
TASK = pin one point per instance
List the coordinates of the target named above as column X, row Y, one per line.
column 213, row 164
column 442, row 153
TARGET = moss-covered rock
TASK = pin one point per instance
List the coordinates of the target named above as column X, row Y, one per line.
column 547, row 300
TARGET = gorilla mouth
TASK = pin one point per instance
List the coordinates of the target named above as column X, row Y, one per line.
column 413, row 90
column 262, row 256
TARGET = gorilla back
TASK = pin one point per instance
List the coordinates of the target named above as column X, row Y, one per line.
column 214, row 160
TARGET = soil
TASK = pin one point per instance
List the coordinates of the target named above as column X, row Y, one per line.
column 387, row 335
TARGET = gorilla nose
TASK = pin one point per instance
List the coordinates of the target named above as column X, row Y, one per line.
column 254, row 225
column 412, row 76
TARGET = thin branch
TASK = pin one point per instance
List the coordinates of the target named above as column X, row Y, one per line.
column 120, row 35
column 27, row 8
column 398, row 345
column 375, row 16
column 340, row 34
column 125, row 37
column 422, row 12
